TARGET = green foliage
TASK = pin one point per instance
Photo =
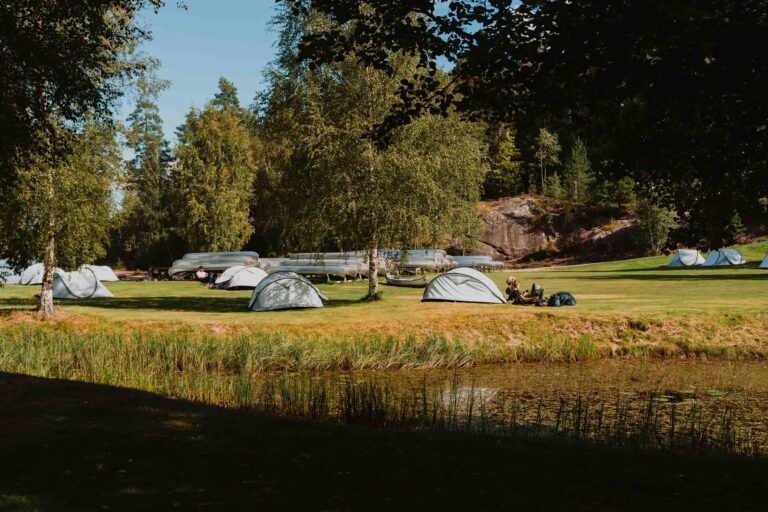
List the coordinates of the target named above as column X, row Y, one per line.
column 315, row 125
column 144, row 231
column 505, row 177
column 226, row 98
column 213, row 180
column 684, row 114
column 67, row 203
column 617, row 194
column 653, row 225
column 735, row 228
column 578, row 174
column 547, row 154
column 554, row 187
column 61, row 60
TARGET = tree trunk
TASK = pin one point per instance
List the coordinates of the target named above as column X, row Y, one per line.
column 373, row 271
column 45, row 308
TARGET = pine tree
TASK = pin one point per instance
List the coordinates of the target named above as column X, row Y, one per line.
column 226, row 98
column 578, row 174
column 506, row 175
column 547, row 154
column 146, row 220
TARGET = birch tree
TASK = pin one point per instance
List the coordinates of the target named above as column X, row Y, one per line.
column 213, row 180
column 59, row 212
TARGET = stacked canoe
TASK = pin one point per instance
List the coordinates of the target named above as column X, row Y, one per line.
column 212, row 261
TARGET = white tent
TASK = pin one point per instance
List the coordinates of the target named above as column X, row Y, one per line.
column 724, row 257
column 103, row 272
column 285, row 290
column 239, row 277
column 463, row 285
column 33, row 274
column 686, row 258
column 8, row 275
column 764, row 264
column 82, row 284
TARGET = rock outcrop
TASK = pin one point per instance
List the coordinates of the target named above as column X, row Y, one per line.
column 518, row 227
column 515, row 227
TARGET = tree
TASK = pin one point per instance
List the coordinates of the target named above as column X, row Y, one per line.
column 653, row 225
column 146, row 219
column 676, row 102
column 317, row 123
column 735, row 228
column 214, row 180
column 226, row 98
column 506, row 171
column 59, row 213
column 547, row 154
column 578, row 172
column 60, row 60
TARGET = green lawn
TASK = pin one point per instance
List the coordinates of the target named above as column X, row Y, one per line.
column 638, row 288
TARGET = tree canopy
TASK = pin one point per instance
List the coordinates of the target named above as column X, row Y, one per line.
column 61, row 59
column 668, row 93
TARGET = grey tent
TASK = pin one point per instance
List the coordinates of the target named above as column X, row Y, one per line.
column 103, row 273
column 240, row 277
column 724, row 258
column 285, row 290
column 82, row 284
column 463, row 285
column 33, row 274
column 686, row 258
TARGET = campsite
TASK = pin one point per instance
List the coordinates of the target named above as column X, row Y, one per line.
column 407, row 255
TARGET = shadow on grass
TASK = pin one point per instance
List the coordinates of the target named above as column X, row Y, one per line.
column 209, row 304
column 76, row 446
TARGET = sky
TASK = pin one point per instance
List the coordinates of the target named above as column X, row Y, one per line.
column 213, row 38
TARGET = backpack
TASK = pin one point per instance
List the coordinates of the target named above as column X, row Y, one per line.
column 562, row 299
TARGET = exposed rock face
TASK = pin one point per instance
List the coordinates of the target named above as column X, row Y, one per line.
column 515, row 227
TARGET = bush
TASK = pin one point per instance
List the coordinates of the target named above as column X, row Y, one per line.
column 653, row 226
column 735, row 228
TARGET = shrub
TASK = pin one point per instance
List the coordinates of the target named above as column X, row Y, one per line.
column 653, row 225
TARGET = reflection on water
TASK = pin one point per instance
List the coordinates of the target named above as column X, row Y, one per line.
column 701, row 406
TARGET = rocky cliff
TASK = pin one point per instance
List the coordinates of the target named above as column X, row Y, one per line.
column 529, row 227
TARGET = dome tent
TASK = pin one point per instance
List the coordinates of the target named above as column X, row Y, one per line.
column 82, row 284
column 103, row 272
column 240, row 277
column 686, row 258
column 724, row 258
column 764, row 264
column 33, row 274
column 463, row 285
column 285, row 290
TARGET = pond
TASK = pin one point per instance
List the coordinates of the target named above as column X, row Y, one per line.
column 693, row 406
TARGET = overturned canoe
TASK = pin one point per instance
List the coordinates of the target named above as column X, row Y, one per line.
column 412, row 282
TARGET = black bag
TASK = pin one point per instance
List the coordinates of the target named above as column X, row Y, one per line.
column 566, row 299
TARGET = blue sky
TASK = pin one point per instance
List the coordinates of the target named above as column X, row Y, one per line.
column 213, row 38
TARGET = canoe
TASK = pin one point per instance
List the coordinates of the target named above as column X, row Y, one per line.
column 413, row 282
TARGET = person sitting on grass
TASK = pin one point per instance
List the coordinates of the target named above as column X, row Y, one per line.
column 527, row 298
column 201, row 275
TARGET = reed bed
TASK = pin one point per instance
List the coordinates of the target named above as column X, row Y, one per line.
column 287, row 376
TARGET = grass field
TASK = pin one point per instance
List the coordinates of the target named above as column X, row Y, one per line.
column 628, row 306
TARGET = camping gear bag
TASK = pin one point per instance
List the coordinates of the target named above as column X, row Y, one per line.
column 562, row 299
